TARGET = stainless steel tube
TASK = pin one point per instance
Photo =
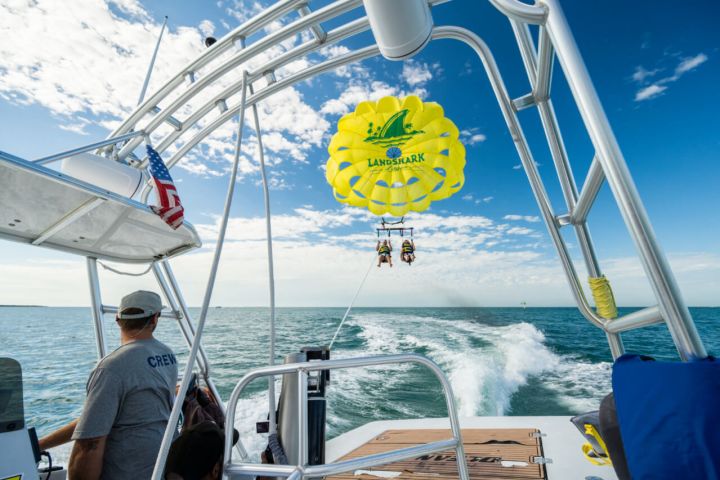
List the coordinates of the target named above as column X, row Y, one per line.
column 179, row 317
column 333, row 37
column 641, row 318
column 545, row 62
column 536, row 184
column 379, row 459
column 259, row 469
column 539, row 72
column 302, row 379
column 175, row 414
column 331, row 64
column 268, row 15
column 96, row 305
column 325, row 13
column 662, row 280
column 589, row 192
column 521, row 11
column 339, row 364
column 87, row 148
column 69, row 218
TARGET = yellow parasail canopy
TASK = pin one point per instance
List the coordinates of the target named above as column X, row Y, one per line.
column 393, row 156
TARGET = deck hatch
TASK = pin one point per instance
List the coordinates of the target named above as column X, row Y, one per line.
column 491, row 454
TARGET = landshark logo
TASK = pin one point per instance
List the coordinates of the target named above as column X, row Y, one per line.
column 393, row 134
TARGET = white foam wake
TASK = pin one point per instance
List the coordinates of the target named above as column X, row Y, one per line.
column 486, row 365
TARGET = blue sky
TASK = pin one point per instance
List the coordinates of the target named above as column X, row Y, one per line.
column 68, row 76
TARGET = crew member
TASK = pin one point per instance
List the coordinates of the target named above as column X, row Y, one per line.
column 384, row 250
column 129, row 398
column 407, row 254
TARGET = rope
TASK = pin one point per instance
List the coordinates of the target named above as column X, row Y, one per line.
column 129, row 274
column 603, row 295
column 347, row 312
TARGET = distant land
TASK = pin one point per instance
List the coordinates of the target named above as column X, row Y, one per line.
column 8, row 306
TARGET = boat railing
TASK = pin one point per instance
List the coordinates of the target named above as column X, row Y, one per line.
column 303, row 469
column 90, row 147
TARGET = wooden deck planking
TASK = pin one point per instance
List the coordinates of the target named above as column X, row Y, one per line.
column 485, row 449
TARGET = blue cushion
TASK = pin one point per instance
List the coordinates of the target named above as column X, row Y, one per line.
column 669, row 415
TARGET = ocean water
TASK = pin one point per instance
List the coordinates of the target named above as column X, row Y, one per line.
column 500, row 361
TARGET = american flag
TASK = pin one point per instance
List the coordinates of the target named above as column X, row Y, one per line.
column 170, row 208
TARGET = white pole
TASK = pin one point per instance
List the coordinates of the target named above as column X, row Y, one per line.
column 177, row 406
column 152, row 63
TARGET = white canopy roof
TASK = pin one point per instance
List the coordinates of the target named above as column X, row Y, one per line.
column 43, row 207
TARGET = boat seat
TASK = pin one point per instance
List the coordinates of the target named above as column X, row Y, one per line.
column 43, row 207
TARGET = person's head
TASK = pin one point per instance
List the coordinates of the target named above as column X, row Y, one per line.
column 197, row 454
column 406, row 242
column 384, row 242
column 139, row 312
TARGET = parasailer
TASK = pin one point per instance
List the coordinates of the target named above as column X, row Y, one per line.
column 407, row 251
column 384, row 250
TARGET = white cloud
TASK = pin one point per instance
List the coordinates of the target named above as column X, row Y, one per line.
column 651, row 91
column 92, row 75
column 690, row 63
column 356, row 93
column 457, row 266
column 526, row 218
column 471, row 136
column 519, row 231
column 660, row 86
column 519, row 165
column 207, row 28
column 641, row 73
column 416, row 73
column 81, row 57
column 477, row 201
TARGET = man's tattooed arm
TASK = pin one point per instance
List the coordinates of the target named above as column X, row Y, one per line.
column 86, row 459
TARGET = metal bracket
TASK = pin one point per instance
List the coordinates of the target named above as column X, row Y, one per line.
column 172, row 121
column 270, row 77
column 563, row 220
column 221, row 105
column 526, row 101
column 540, row 460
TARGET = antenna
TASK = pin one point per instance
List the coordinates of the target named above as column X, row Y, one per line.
column 152, row 63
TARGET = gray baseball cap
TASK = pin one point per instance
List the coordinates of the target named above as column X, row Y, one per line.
column 148, row 302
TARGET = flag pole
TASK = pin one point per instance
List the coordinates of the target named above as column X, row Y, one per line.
column 152, row 63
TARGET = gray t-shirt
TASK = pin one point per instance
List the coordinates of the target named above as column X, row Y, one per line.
column 129, row 398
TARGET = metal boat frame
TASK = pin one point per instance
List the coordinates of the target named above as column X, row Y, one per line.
column 160, row 117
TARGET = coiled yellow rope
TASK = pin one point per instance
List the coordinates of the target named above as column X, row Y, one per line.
column 603, row 295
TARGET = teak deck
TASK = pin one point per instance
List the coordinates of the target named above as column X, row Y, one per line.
column 485, row 450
